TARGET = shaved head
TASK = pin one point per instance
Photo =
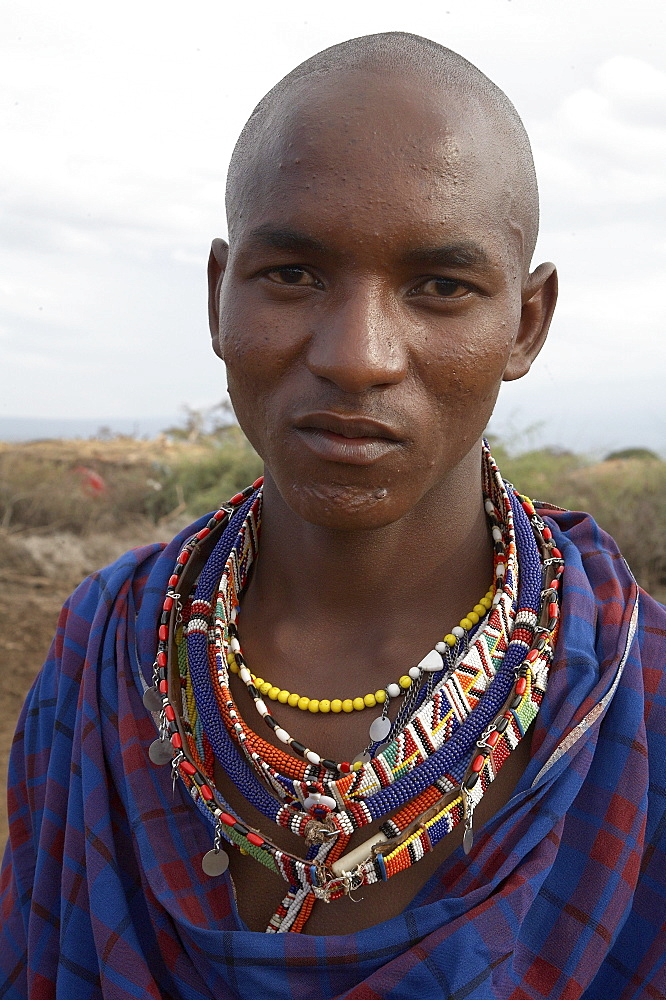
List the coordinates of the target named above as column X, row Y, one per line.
column 382, row 211
column 476, row 117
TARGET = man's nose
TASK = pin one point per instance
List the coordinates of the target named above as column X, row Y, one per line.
column 357, row 343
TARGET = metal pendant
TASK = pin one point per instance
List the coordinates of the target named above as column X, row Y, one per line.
column 468, row 840
column 432, row 663
column 160, row 752
column 215, row 862
column 380, row 729
column 362, row 758
column 152, row 699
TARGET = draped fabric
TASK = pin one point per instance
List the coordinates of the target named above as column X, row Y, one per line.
column 563, row 896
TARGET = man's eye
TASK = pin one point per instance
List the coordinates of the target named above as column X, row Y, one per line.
column 290, row 276
column 443, row 288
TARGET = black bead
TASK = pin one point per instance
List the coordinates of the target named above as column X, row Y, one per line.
column 330, row 765
column 516, row 701
column 470, row 782
column 239, row 828
column 298, row 747
column 501, row 725
column 270, row 721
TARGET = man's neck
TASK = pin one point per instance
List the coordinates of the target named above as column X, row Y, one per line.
column 389, row 588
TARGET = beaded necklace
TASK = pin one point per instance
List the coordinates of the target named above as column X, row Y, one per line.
column 433, row 766
column 429, row 663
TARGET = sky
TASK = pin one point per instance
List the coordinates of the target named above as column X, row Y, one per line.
column 117, row 123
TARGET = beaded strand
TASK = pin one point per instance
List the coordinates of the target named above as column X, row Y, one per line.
column 424, row 794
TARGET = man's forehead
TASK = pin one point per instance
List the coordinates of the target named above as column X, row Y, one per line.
column 378, row 160
column 362, row 133
column 361, row 111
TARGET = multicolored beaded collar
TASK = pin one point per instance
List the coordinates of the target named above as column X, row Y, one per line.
column 421, row 774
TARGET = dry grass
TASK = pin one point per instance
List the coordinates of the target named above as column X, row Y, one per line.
column 77, row 495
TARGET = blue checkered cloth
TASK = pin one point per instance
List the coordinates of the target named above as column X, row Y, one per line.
column 563, row 896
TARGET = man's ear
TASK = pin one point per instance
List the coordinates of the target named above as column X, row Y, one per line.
column 217, row 262
column 539, row 298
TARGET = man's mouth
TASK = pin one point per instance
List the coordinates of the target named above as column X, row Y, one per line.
column 353, row 440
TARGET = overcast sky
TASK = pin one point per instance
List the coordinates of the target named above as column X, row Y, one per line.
column 117, row 122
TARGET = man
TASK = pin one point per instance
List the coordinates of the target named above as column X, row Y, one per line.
column 397, row 806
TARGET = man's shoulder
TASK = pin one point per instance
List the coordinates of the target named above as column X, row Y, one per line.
column 137, row 568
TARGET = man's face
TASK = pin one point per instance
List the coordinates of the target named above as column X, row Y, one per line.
column 371, row 300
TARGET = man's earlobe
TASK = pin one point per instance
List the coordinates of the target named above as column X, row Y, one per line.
column 217, row 263
column 539, row 298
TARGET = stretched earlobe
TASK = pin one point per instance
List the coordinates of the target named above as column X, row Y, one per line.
column 217, row 262
column 539, row 298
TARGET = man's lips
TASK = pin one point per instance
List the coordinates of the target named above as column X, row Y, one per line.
column 346, row 426
column 351, row 440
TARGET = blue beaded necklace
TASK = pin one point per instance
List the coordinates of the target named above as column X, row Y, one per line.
column 449, row 765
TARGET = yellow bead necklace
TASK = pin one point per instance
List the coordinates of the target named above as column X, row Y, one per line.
column 370, row 700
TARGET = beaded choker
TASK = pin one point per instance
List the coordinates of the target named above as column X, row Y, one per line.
column 468, row 705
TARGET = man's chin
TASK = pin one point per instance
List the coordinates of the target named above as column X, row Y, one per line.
column 345, row 507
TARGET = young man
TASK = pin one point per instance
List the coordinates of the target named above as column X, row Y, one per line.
column 347, row 666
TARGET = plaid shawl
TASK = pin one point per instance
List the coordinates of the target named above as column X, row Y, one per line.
column 563, row 895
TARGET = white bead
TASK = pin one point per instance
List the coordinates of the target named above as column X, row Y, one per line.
column 380, row 729
column 441, row 647
column 433, row 661
column 393, row 690
column 497, row 534
column 501, row 569
column 327, row 801
column 458, row 631
column 234, row 644
column 312, row 757
column 282, row 735
column 245, row 675
column 490, row 507
column 414, row 673
column 497, row 598
column 261, row 707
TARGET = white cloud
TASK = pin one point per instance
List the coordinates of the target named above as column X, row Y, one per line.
column 117, row 123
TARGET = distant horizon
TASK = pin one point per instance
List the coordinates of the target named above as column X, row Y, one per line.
column 514, row 434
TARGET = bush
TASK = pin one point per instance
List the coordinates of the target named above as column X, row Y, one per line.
column 88, row 487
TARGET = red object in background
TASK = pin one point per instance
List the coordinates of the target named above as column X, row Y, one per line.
column 92, row 483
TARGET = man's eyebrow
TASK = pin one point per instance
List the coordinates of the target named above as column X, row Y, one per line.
column 463, row 254
column 285, row 239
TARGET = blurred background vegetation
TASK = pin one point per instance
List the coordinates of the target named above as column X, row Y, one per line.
column 143, row 489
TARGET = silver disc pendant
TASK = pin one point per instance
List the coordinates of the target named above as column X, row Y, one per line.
column 468, row 840
column 215, row 863
column 152, row 699
column 380, row 729
column 362, row 758
column 160, row 752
